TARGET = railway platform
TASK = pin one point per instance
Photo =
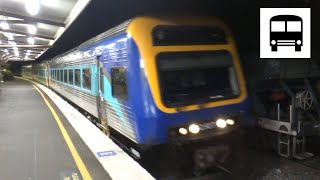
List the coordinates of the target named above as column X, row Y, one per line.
column 39, row 139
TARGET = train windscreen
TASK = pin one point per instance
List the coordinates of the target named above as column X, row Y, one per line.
column 196, row 77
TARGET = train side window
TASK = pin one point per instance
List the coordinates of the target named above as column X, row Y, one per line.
column 77, row 74
column 86, row 78
column 119, row 83
column 71, row 77
column 65, row 76
column 58, row 75
column 61, row 75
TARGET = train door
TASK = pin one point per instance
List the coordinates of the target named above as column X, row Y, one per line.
column 100, row 99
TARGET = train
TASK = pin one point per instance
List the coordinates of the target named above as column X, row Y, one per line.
column 154, row 80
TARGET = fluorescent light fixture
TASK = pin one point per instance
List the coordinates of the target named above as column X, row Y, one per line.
column 12, row 43
column 31, row 40
column 32, row 29
column 4, row 25
column 32, row 6
column 6, row 50
column 9, row 35
column 16, row 53
column 28, row 50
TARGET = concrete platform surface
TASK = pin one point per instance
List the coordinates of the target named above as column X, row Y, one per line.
column 32, row 146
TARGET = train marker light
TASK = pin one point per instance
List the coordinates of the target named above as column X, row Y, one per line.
column 183, row 131
column 221, row 123
column 230, row 121
column 193, row 128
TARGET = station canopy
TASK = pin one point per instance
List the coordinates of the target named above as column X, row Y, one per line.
column 28, row 28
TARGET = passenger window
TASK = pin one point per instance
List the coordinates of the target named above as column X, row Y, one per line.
column 71, row 76
column 86, row 78
column 65, row 76
column 58, row 75
column 61, row 75
column 119, row 83
column 77, row 77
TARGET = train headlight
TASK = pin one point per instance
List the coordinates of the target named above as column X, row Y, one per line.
column 193, row 128
column 230, row 121
column 298, row 42
column 273, row 42
column 183, row 131
column 221, row 123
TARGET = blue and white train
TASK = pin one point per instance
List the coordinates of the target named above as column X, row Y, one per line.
column 154, row 80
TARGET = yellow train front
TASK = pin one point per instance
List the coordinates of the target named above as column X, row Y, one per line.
column 189, row 79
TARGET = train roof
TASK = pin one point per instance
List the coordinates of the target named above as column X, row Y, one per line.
column 123, row 27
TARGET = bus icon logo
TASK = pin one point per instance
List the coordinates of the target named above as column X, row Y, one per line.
column 285, row 33
column 286, row 30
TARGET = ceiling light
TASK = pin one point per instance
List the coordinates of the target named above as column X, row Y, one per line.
column 28, row 50
column 32, row 29
column 6, row 50
column 9, row 35
column 31, row 40
column 15, row 48
column 16, row 53
column 4, row 25
column 32, row 6
column 12, row 43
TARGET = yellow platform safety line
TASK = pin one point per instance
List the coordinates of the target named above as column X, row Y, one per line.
column 82, row 168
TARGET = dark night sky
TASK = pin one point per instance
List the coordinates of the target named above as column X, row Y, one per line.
column 241, row 15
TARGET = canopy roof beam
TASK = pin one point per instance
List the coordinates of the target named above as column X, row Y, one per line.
column 32, row 19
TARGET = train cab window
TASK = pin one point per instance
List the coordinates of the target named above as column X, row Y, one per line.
column 71, row 76
column 77, row 74
column 65, row 76
column 196, row 77
column 119, row 83
column 86, row 78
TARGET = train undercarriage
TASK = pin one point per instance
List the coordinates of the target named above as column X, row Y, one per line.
column 287, row 102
